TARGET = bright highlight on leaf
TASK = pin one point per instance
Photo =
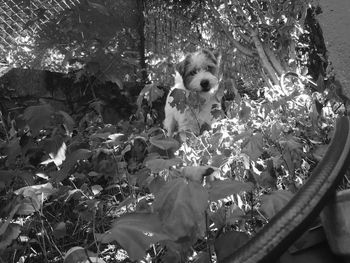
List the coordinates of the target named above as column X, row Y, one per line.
column 224, row 188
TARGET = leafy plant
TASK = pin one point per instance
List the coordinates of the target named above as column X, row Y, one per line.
column 74, row 188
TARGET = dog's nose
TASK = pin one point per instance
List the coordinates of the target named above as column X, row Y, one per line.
column 205, row 85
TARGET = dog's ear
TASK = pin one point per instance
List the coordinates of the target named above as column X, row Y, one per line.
column 180, row 67
column 218, row 55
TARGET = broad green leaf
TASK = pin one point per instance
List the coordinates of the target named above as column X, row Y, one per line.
column 254, row 146
column 274, row 202
column 181, row 205
column 38, row 117
column 157, row 165
column 224, row 188
column 60, row 230
column 135, row 233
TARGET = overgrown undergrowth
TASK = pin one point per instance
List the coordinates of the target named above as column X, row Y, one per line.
column 126, row 192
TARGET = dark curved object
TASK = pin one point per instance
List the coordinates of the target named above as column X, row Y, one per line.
column 287, row 225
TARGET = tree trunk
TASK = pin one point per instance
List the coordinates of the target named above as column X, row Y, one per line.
column 141, row 30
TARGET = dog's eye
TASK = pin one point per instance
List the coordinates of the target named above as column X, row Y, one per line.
column 193, row 72
column 210, row 68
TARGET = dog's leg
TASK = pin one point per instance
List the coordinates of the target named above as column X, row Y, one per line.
column 169, row 122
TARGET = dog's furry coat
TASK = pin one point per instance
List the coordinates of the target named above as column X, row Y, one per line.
column 194, row 103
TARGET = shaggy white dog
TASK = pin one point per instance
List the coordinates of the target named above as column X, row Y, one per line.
column 194, row 103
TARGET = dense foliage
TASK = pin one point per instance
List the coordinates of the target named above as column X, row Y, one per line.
column 73, row 186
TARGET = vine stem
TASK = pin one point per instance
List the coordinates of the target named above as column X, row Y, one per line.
column 207, row 239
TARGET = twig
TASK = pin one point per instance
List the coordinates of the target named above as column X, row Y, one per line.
column 4, row 127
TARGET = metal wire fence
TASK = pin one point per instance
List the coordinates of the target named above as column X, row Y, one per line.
column 21, row 18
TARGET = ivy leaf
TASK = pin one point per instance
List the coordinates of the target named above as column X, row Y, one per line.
column 69, row 163
column 244, row 113
column 34, row 197
column 181, row 205
column 274, row 202
column 151, row 93
column 276, row 131
column 224, row 188
column 157, row 165
column 100, row 8
column 13, row 149
column 234, row 238
column 57, row 155
column 96, row 189
column 81, row 255
column 319, row 152
column 6, row 177
column 135, row 233
column 179, row 99
column 165, row 143
column 29, row 205
column 216, row 111
column 42, row 191
column 219, row 160
column 11, row 233
column 292, row 152
column 194, row 100
column 254, row 146
column 67, row 120
column 38, row 117
column 202, row 257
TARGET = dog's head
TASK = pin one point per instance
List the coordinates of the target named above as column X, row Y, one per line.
column 200, row 71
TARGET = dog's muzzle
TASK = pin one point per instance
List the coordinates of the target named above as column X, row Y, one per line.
column 205, row 85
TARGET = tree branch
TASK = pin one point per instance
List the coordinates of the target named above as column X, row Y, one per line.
column 265, row 61
column 245, row 50
column 274, row 61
